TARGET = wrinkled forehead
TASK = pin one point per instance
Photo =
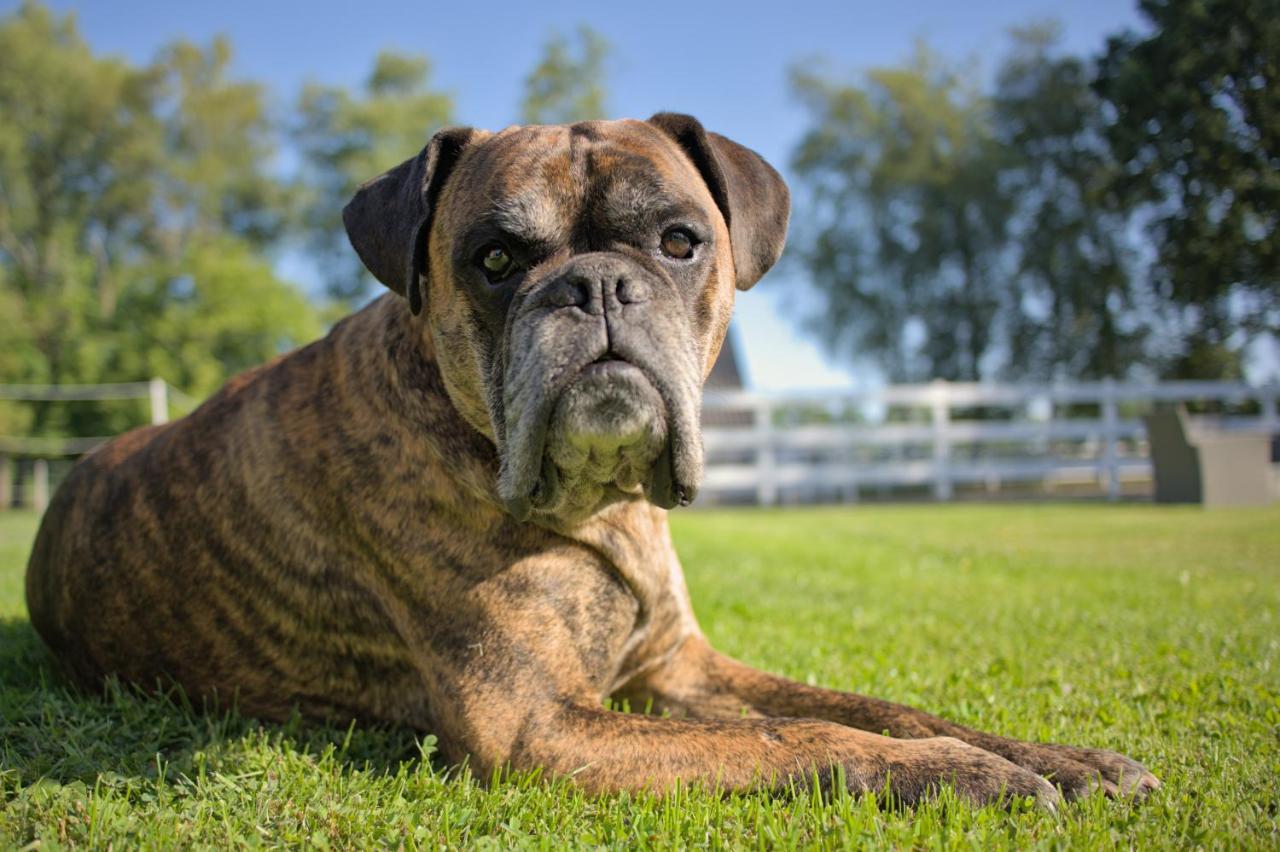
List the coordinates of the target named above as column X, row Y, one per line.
column 545, row 182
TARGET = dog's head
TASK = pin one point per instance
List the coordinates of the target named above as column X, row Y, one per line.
column 577, row 282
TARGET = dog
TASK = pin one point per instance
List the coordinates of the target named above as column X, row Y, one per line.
column 451, row 512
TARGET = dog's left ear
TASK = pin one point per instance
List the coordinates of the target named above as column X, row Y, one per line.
column 750, row 193
column 388, row 219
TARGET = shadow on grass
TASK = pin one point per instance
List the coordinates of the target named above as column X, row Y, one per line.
column 51, row 730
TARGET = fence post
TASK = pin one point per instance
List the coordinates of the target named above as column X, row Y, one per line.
column 1110, row 424
column 1270, row 415
column 159, row 393
column 40, row 485
column 940, row 413
column 6, row 483
column 766, row 462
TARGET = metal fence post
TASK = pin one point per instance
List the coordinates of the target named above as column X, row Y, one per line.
column 40, row 485
column 940, row 413
column 1110, row 423
column 766, row 462
column 159, row 393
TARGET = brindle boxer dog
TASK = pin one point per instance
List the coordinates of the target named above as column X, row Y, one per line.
column 451, row 512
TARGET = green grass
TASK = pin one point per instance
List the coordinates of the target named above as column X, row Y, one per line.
column 1148, row 630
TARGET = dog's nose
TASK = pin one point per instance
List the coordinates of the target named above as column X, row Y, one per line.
column 630, row 291
column 597, row 284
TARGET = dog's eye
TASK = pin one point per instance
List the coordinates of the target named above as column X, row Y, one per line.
column 678, row 243
column 496, row 261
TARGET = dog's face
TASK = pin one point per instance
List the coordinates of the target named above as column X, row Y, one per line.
column 577, row 282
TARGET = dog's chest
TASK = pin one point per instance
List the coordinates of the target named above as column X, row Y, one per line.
column 636, row 545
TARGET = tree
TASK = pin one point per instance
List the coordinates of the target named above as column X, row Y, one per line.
column 1196, row 125
column 79, row 149
column 347, row 138
column 220, row 142
column 568, row 83
column 904, row 232
column 1075, row 309
column 117, row 182
column 205, row 315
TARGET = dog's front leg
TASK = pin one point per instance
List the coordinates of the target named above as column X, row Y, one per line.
column 519, row 695
column 607, row 751
column 702, row 683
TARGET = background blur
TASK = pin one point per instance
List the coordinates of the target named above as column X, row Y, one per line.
column 989, row 191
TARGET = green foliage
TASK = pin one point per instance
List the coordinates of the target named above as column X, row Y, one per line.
column 568, row 83
column 79, row 150
column 120, row 184
column 1197, row 128
column 205, row 315
column 1076, row 308
column 221, row 140
column 346, row 138
column 953, row 234
column 906, row 223
column 1139, row 628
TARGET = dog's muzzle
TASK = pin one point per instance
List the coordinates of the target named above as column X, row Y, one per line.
column 601, row 392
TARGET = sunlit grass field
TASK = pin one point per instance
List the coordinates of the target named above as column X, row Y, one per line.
column 1152, row 631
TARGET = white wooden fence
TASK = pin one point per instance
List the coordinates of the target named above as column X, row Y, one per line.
column 39, row 449
column 940, row 437
column 935, row 439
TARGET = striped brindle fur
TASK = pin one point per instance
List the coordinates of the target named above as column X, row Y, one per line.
column 450, row 513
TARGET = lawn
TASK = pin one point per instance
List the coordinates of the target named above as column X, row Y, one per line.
column 1152, row 631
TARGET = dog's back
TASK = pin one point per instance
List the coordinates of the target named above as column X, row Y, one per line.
column 179, row 554
column 110, row 581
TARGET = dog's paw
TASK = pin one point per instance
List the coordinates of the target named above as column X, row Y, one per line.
column 918, row 769
column 1081, row 772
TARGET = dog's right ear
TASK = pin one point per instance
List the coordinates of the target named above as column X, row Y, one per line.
column 388, row 219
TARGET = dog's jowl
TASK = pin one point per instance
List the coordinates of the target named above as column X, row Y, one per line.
column 450, row 513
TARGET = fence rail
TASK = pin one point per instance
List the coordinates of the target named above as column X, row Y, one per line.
column 942, row 435
column 157, row 392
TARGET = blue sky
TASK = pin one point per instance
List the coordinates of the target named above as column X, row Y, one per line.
column 724, row 62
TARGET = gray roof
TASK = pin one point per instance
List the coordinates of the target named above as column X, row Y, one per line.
column 725, row 373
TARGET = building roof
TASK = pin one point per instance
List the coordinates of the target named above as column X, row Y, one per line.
column 725, row 373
